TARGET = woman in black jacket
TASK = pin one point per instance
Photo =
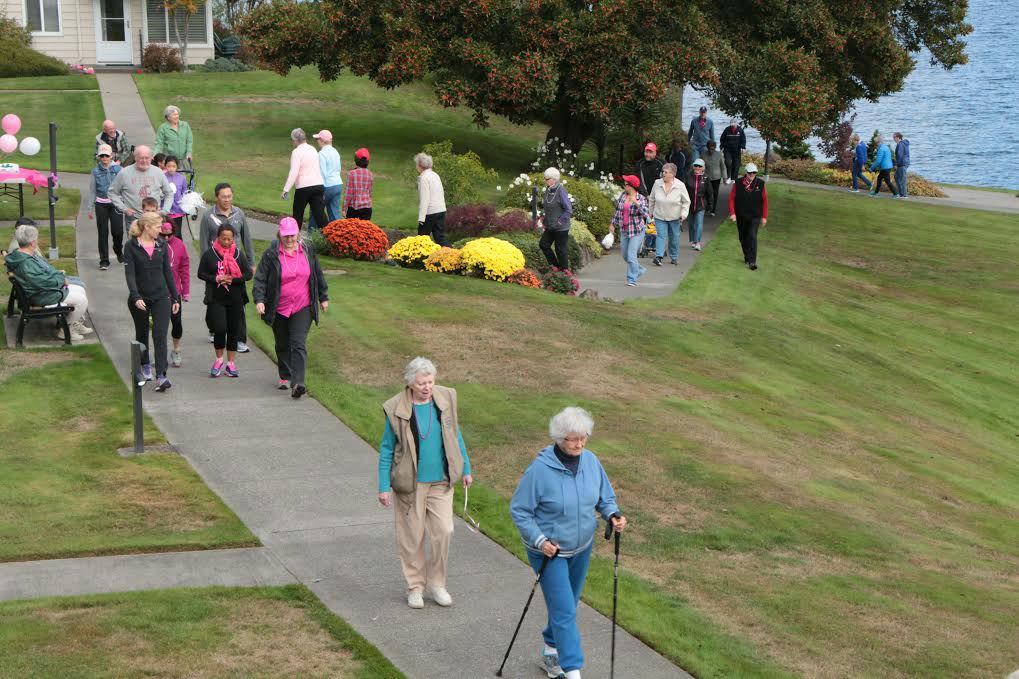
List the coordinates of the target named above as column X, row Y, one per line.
column 151, row 292
column 224, row 268
column 289, row 290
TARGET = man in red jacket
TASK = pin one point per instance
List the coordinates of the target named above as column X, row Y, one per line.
column 748, row 207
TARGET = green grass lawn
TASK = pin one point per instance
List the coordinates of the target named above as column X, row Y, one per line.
column 818, row 457
column 78, row 115
column 242, row 124
column 214, row 632
column 65, row 491
column 37, row 207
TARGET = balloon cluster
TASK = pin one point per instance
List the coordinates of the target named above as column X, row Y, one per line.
column 9, row 143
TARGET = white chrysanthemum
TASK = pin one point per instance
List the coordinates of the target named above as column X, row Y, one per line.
column 498, row 188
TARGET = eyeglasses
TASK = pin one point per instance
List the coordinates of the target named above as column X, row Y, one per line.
column 472, row 525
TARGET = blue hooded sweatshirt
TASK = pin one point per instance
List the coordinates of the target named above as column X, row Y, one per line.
column 902, row 153
column 883, row 161
column 551, row 503
column 861, row 154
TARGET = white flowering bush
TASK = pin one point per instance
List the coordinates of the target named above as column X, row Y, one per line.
column 554, row 153
column 590, row 203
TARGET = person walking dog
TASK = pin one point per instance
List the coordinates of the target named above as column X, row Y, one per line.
column 748, row 207
column 554, row 510
column 289, row 290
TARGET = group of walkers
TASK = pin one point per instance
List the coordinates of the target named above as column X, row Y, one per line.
column 886, row 163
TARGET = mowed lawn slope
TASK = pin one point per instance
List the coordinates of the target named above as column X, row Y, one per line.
column 819, row 458
column 242, row 124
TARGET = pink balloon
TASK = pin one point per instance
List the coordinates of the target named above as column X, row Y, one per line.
column 90, row 70
column 8, row 143
column 11, row 124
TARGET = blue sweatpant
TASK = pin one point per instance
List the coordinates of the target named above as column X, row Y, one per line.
column 561, row 584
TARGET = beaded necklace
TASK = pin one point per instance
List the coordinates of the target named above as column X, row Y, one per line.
column 431, row 418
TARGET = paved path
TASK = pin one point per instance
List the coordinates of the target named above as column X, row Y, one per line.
column 124, row 106
column 974, row 199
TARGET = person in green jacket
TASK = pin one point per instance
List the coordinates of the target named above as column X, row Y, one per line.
column 174, row 137
column 44, row 285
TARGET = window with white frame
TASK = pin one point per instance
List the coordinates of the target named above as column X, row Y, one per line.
column 42, row 16
column 161, row 26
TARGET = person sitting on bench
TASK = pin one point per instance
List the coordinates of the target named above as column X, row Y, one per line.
column 45, row 286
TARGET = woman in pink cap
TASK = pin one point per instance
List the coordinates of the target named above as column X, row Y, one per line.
column 289, row 290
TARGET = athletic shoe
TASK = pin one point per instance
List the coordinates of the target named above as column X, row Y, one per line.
column 753, row 266
column 231, row 370
column 120, row 259
column 415, row 600
column 712, row 213
column 871, row 194
column 242, row 348
column 162, row 384
column 212, row 338
column 104, row 266
column 176, row 360
column 550, row 663
column 216, row 370
column 675, row 262
column 853, row 190
column 298, row 391
column 81, row 328
column 441, row 596
column 630, row 284
column 284, row 384
column 147, row 372
column 697, row 247
column 658, row 261
column 75, row 337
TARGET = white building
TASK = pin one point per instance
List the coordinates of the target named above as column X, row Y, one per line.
column 108, row 32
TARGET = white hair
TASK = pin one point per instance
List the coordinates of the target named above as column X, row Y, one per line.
column 571, row 420
column 418, row 366
column 26, row 234
column 423, row 160
column 297, row 134
column 169, row 110
column 552, row 173
column 671, row 167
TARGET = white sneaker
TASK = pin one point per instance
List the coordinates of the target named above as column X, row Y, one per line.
column 211, row 339
column 81, row 328
column 242, row 348
column 550, row 663
column 441, row 596
column 75, row 337
column 415, row 600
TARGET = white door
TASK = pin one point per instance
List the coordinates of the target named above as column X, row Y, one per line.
column 113, row 32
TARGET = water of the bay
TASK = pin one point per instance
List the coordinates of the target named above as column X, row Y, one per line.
column 963, row 124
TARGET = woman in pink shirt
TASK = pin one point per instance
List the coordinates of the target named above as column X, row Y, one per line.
column 180, row 264
column 289, row 290
column 306, row 179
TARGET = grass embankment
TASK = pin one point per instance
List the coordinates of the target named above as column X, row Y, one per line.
column 64, row 491
column 242, row 124
column 215, row 632
column 78, row 115
column 818, row 457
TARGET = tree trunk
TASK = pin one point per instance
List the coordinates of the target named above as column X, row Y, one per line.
column 568, row 128
column 182, row 45
column 767, row 157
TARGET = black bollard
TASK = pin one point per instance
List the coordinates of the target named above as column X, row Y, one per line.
column 139, row 421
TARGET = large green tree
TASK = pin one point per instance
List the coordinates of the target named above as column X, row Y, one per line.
column 783, row 65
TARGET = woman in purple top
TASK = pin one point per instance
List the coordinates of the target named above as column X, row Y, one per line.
column 180, row 185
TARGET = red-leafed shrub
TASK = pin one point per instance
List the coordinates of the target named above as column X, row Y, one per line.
column 159, row 57
column 560, row 280
column 525, row 278
column 479, row 219
column 356, row 238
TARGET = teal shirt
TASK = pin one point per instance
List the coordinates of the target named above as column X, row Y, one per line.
column 432, row 452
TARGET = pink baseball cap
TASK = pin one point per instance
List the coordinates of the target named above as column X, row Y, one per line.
column 324, row 135
column 166, row 227
column 362, row 153
column 651, row 146
column 289, row 227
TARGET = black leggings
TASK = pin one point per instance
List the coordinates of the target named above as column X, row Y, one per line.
column 883, row 175
column 359, row 213
column 561, row 257
column 109, row 221
column 732, row 161
column 176, row 324
column 224, row 320
column 159, row 310
column 714, row 183
column 434, row 226
column 315, row 197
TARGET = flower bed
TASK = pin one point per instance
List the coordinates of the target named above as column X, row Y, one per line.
column 525, row 278
column 820, row 173
column 589, row 203
column 560, row 280
column 491, row 258
column 444, row 260
column 356, row 238
column 412, row 252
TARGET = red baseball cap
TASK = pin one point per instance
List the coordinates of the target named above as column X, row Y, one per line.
column 651, row 146
column 632, row 180
column 362, row 153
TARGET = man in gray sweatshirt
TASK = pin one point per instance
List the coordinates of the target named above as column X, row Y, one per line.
column 140, row 181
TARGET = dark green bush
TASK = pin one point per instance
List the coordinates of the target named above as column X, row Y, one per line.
column 20, row 62
column 223, row 65
column 11, row 29
column 534, row 258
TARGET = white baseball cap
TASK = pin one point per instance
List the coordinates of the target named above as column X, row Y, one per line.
column 751, row 167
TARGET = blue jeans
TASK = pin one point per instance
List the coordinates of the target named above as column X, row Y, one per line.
column 629, row 246
column 561, row 584
column 667, row 229
column 331, row 197
column 696, row 225
column 698, row 152
column 900, row 181
column 858, row 176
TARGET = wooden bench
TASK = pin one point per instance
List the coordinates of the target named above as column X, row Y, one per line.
column 29, row 312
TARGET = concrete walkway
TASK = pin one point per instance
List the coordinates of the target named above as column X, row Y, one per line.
column 123, row 105
column 973, row 199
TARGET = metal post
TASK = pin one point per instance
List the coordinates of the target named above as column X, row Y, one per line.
column 534, row 208
column 139, row 421
column 50, row 183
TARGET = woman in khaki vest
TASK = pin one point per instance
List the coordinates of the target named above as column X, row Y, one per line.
column 421, row 457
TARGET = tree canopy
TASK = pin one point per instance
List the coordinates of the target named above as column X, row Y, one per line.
column 784, row 66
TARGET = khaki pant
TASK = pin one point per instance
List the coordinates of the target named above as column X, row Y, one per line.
column 429, row 509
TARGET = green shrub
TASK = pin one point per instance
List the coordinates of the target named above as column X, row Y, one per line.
column 20, row 61
column 319, row 242
column 461, row 173
column 223, row 65
column 794, row 149
column 589, row 204
column 584, row 238
column 12, row 30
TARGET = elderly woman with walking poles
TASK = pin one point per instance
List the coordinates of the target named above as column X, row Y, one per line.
column 558, row 209
column 554, row 509
column 421, row 458
column 289, row 290
column 668, row 204
column 174, row 137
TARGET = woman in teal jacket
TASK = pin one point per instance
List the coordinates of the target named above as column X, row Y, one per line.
column 553, row 508
column 883, row 163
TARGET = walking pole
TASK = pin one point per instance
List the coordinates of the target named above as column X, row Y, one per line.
column 534, row 587
column 615, row 597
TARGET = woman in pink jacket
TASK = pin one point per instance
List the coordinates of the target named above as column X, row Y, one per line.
column 306, row 179
column 180, row 265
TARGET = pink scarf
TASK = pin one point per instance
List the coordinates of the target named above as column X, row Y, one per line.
column 227, row 261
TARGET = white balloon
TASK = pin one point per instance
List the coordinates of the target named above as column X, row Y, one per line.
column 30, row 146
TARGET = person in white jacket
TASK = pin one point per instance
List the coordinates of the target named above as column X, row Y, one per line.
column 431, row 201
column 669, row 204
